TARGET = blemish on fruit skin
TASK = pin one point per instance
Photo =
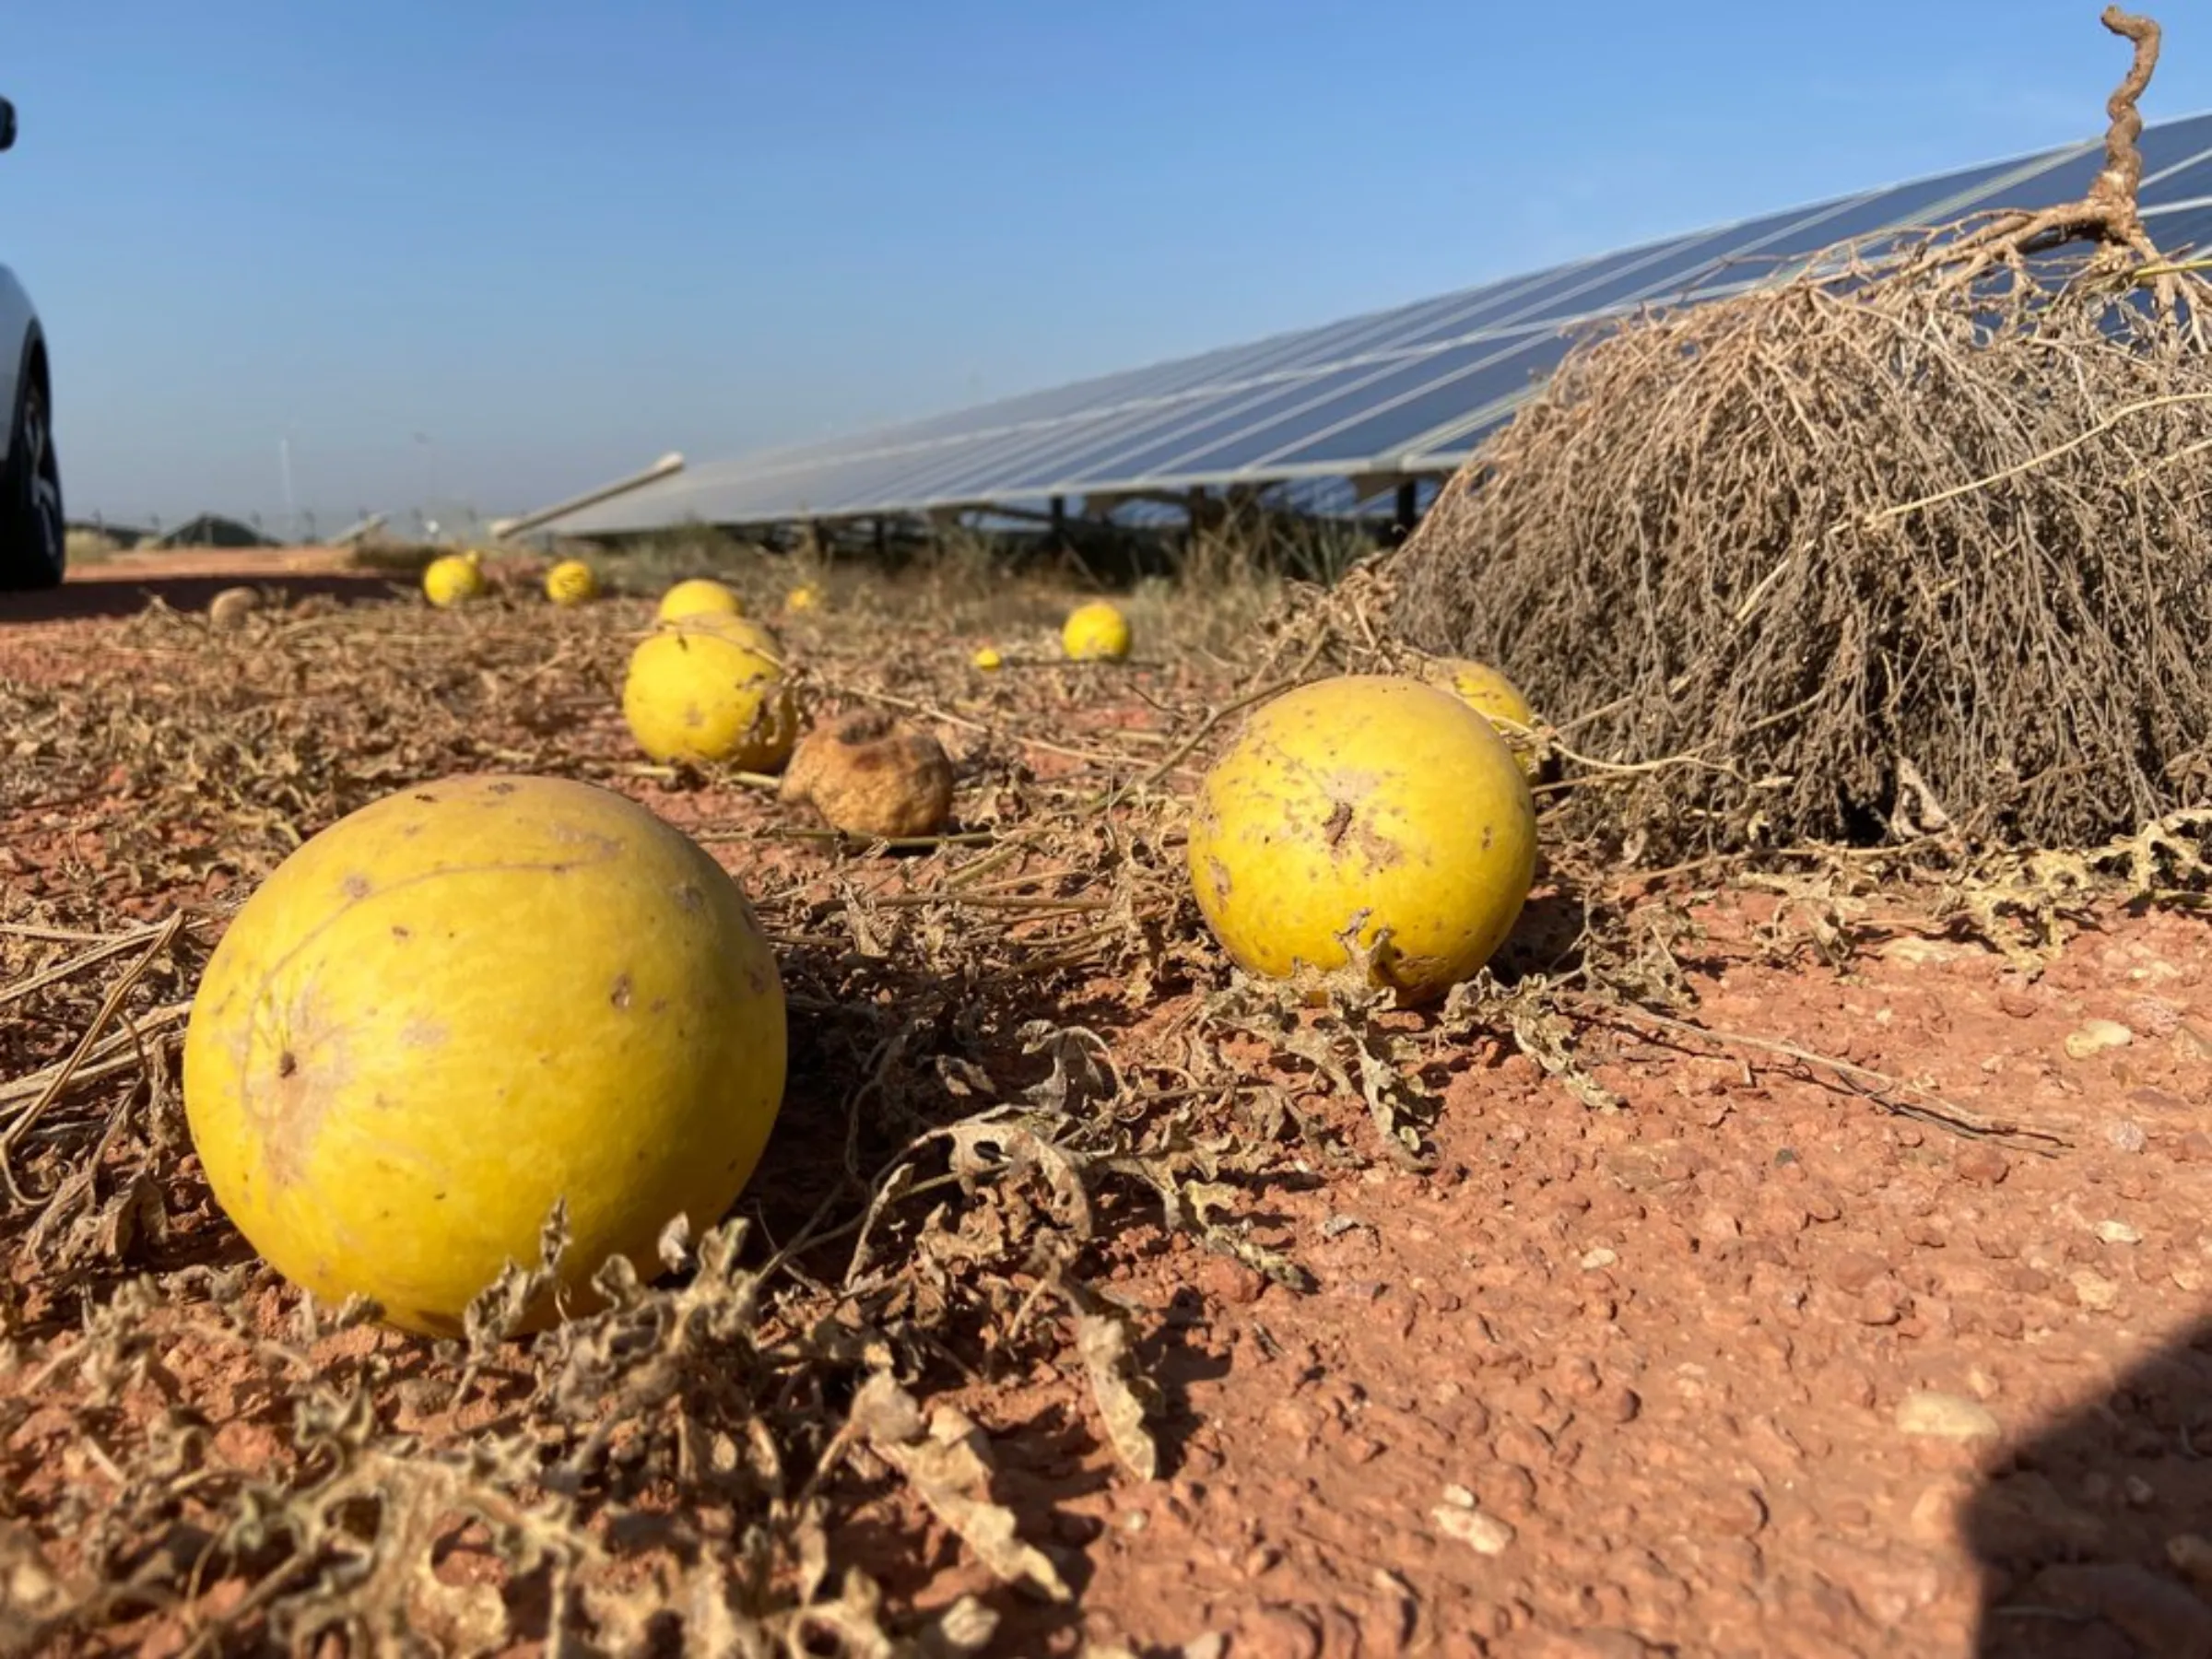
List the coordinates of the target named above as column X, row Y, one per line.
column 620, row 994
column 502, row 789
column 356, row 886
column 402, row 933
column 691, row 898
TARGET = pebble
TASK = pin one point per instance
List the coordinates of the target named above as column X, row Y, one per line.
column 2094, row 1291
column 2191, row 1558
column 1851, row 1271
column 1277, row 1633
column 2159, row 1103
column 2118, row 1232
column 2096, row 1036
column 233, row 605
column 2124, row 1134
column 1232, row 1282
column 2196, row 1146
column 1942, row 1513
column 1981, row 1162
column 1486, row 1534
column 1601, row 1258
column 2155, row 1613
column 1932, row 1415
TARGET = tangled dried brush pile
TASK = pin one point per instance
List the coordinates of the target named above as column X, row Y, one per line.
column 1917, row 541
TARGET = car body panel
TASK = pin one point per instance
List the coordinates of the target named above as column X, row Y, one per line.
column 18, row 330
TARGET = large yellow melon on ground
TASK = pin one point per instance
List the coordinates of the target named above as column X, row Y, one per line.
column 454, row 578
column 753, row 636
column 462, row 1003
column 700, row 597
column 1095, row 632
column 698, row 692
column 1489, row 693
column 1368, row 800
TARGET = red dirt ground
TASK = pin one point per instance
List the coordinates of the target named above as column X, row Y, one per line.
column 1749, row 1367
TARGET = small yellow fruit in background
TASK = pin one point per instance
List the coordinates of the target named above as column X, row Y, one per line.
column 454, row 577
column 700, row 597
column 806, row 597
column 571, row 582
column 464, row 1002
column 1366, row 796
column 694, row 692
column 987, row 659
column 1488, row 692
column 1096, row 631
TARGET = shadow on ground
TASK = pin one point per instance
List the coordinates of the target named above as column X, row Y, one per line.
column 125, row 597
column 2091, row 1537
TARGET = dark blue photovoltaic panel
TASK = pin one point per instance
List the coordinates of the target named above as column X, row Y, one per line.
column 1414, row 384
column 1173, row 441
column 1318, row 411
column 1504, row 375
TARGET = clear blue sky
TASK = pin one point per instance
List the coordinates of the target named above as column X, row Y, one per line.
column 557, row 238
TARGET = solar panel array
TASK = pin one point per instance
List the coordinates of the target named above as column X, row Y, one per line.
column 1342, row 411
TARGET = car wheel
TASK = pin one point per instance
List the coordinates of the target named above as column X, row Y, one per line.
column 33, row 539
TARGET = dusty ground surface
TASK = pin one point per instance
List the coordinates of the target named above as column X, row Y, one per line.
column 1698, row 1345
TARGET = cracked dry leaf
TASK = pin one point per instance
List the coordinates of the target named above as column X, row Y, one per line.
column 1020, row 1148
column 1081, row 1067
column 1103, row 1342
column 945, row 1467
column 380, row 1589
column 1542, row 1035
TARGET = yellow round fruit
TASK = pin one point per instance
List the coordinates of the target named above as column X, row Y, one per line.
column 454, row 577
column 460, row 1004
column 700, row 597
column 1373, row 801
column 752, row 635
column 987, row 659
column 571, row 582
column 1096, row 631
column 696, row 691
column 1488, row 692
column 806, row 597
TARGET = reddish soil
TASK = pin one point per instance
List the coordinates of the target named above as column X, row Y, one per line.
column 1749, row 1367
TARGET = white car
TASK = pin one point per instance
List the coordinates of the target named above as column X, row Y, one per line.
column 33, row 539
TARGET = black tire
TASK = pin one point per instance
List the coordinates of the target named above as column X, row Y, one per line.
column 34, row 537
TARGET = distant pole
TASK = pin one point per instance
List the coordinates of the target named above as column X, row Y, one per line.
column 1408, row 507
column 284, row 461
column 1059, row 524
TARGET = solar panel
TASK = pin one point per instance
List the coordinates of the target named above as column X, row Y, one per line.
column 1408, row 390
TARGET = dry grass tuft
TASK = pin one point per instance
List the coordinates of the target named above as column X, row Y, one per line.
column 1914, row 544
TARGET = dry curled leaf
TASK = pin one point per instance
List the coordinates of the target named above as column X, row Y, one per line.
column 1102, row 1339
column 946, row 1465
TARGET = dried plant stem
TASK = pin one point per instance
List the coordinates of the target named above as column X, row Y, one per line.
column 1878, row 1085
column 110, row 1006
